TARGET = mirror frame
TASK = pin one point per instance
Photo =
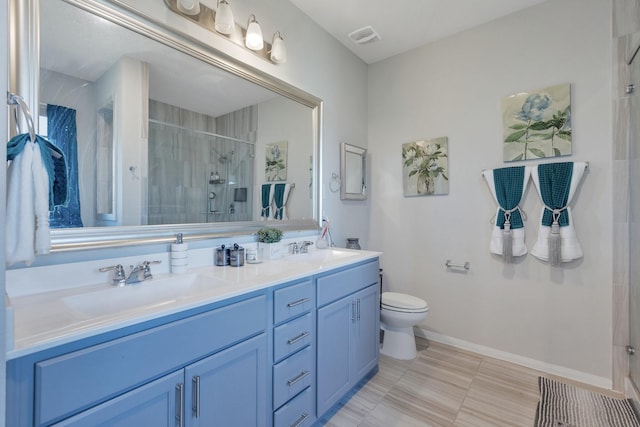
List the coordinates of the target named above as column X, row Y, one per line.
column 24, row 71
column 344, row 173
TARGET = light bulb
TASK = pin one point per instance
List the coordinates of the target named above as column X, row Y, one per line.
column 278, row 49
column 189, row 7
column 253, row 39
column 224, row 22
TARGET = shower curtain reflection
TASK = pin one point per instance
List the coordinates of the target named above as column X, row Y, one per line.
column 194, row 175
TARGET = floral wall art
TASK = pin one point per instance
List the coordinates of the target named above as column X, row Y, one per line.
column 425, row 167
column 537, row 124
column 275, row 168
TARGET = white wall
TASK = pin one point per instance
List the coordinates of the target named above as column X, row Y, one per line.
column 557, row 316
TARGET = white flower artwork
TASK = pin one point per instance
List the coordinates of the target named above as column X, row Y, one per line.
column 275, row 168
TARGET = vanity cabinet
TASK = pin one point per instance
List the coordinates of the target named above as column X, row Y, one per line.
column 348, row 331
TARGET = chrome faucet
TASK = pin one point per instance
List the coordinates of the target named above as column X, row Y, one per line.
column 304, row 246
column 118, row 275
column 141, row 272
column 294, row 248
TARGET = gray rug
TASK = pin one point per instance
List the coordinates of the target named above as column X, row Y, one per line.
column 564, row 405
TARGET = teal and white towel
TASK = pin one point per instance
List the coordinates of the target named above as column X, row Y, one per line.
column 267, row 194
column 557, row 184
column 280, row 198
column 507, row 186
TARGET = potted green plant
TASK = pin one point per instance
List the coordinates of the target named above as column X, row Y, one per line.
column 269, row 242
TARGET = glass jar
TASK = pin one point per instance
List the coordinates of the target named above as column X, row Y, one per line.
column 352, row 243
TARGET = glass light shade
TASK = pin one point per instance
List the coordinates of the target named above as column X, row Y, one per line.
column 189, row 7
column 253, row 40
column 224, row 22
column 278, row 49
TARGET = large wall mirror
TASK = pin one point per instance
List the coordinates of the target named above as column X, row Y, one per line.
column 161, row 134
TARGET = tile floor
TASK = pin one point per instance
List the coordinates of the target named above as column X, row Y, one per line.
column 444, row 386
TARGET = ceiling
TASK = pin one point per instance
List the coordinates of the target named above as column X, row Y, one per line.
column 403, row 24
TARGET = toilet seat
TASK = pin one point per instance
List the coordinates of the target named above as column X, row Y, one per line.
column 404, row 303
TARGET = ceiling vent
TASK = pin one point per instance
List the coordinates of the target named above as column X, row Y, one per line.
column 364, row 35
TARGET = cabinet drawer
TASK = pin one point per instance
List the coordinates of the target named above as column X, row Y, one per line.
column 291, row 376
column 337, row 285
column 296, row 412
column 292, row 336
column 292, row 301
column 75, row 381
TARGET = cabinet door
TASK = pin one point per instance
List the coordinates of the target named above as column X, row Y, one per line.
column 366, row 332
column 153, row 404
column 229, row 388
column 334, row 329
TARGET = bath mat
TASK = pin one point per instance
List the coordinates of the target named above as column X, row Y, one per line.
column 564, row 405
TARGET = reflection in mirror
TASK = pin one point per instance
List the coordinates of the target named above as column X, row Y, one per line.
column 165, row 138
column 354, row 172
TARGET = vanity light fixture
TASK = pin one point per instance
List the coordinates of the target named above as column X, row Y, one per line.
column 223, row 23
column 189, row 7
column 278, row 50
column 253, row 39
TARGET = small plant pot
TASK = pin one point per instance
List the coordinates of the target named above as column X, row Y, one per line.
column 270, row 251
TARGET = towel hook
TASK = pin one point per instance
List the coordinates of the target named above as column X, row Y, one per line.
column 13, row 99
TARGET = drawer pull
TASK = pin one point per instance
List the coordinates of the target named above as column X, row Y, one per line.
column 195, row 406
column 297, row 378
column 179, row 400
column 298, row 338
column 300, row 420
column 298, row 302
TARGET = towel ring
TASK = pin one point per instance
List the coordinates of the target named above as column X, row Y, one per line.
column 13, row 99
column 335, row 183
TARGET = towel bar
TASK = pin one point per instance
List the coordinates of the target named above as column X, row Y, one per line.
column 450, row 264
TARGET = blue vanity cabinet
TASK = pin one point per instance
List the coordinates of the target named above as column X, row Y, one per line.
column 348, row 331
column 86, row 380
column 294, row 372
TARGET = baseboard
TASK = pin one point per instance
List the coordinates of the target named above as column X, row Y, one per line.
column 549, row 368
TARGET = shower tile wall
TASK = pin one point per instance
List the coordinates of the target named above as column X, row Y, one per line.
column 181, row 163
column 626, row 168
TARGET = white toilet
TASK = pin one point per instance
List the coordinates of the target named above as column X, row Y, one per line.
column 399, row 314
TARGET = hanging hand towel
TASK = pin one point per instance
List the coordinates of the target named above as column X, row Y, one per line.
column 53, row 161
column 27, row 226
column 556, row 184
column 507, row 186
column 281, row 195
column 267, row 201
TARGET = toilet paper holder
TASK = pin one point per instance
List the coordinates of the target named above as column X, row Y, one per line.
column 451, row 264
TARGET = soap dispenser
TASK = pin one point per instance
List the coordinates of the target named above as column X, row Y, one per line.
column 179, row 255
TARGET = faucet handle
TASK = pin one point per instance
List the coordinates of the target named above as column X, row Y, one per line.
column 304, row 246
column 118, row 275
column 294, row 248
column 147, row 269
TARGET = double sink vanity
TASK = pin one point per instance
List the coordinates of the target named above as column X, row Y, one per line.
column 273, row 344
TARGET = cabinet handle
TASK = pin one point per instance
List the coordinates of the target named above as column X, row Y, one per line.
column 353, row 311
column 298, row 338
column 297, row 378
column 195, row 406
column 179, row 400
column 358, row 308
column 298, row 302
column 300, row 420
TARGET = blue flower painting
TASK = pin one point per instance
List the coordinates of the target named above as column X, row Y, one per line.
column 537, row 124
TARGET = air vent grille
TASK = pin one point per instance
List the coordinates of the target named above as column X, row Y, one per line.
column 364, row 35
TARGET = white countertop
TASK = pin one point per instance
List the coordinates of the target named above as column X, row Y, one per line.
column 47, row 319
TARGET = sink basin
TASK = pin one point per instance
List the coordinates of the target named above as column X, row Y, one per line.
column 322, row 256
column 153, row 293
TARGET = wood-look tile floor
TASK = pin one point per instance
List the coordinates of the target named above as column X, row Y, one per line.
column 444, row 386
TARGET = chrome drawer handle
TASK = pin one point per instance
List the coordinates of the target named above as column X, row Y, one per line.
column 300, row 301
column 300, row 420
column 297, row 378
column 179, row 400
column 195, row 405
column 298, row 338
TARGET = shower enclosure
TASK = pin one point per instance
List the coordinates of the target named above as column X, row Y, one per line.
column 198, row 176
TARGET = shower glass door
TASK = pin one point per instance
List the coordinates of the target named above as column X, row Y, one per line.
column 634, row 223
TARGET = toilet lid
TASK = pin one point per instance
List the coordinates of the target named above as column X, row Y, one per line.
column 403, row 301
